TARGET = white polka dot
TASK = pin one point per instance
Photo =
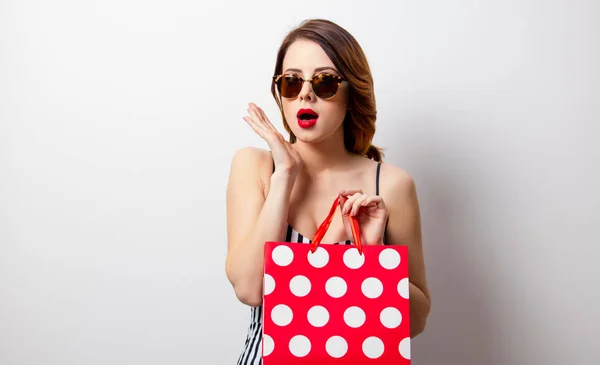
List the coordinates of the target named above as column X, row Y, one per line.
column 336, row 287
column 268, row 345
column 319, row 258
column 353, row 259
column 336, row 347
column 318, row 316
column 372, row 288
column 403, row 288
column 300, row 286
column 390, row 317
column 282, row 315
column 405, row 348
column 282, row 255
column 354, row 317
column 389, row 259
column 372, row 347
column 299, row 346
column 269, row 284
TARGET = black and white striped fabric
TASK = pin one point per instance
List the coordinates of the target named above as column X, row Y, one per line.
column 252, row 353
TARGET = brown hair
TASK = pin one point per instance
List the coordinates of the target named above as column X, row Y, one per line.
column 348, row 57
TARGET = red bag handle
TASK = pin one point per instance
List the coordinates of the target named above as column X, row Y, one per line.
column 316, row 240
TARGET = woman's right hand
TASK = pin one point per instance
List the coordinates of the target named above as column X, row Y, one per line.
column 287, row 160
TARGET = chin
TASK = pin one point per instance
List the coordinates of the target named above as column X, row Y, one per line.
column 308, row 137
column 317, row 133
column 312, row 135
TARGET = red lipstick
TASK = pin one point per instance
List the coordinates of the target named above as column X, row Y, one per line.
column 307, row 118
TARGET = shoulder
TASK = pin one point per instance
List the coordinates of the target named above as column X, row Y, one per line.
column 252, row 164
column 397, row 186
column 251, row 157
column 394, row 179
column 399, row 193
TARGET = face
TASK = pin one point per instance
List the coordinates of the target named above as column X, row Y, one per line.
column 307, row 59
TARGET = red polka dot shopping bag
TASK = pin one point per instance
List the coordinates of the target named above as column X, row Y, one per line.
column 335, row 304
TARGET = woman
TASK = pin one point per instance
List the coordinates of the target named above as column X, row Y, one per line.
column 324, row 89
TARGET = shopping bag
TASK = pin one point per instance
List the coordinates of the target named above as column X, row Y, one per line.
column 335, row 304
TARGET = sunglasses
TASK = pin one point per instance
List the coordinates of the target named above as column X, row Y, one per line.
column 324, row 85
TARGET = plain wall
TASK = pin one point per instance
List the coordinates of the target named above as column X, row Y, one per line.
column 119, row 119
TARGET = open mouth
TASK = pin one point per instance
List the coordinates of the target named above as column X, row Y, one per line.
column 307, row 118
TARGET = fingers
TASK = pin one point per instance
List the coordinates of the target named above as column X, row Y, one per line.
column 259, row 116
column 374, row 201
column 265, row 119
column 353, row 203
column 254, row 114
column 357, row 199
column 349, row 197
column 261, row 125
column 348, row 192
column 260, row 130
column 357, row 203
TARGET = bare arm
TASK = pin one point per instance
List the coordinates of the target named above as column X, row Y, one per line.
column 252, row 217
column 252, row 220
column 404, row 228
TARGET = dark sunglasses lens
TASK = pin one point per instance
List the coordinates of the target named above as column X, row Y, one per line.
column 325, row 86
column 290, row 86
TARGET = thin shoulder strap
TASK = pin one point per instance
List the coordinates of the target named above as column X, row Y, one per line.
column 377, row 179
column 377, row 193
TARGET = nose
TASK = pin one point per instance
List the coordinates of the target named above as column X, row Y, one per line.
column 307, row 94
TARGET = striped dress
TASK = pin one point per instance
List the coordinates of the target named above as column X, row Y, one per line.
column 252, row 352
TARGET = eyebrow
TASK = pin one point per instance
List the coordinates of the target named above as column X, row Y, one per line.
column 316, row 69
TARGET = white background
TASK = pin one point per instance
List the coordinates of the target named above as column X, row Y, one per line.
column 118, row 121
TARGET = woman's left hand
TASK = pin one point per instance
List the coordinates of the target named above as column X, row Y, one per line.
column 370, row 212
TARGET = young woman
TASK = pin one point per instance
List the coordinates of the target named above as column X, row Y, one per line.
column 324, row 89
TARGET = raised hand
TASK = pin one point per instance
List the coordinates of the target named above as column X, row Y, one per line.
column 286, row 158
column 370, row 212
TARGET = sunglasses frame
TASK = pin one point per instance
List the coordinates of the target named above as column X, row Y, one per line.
column 339, row 79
